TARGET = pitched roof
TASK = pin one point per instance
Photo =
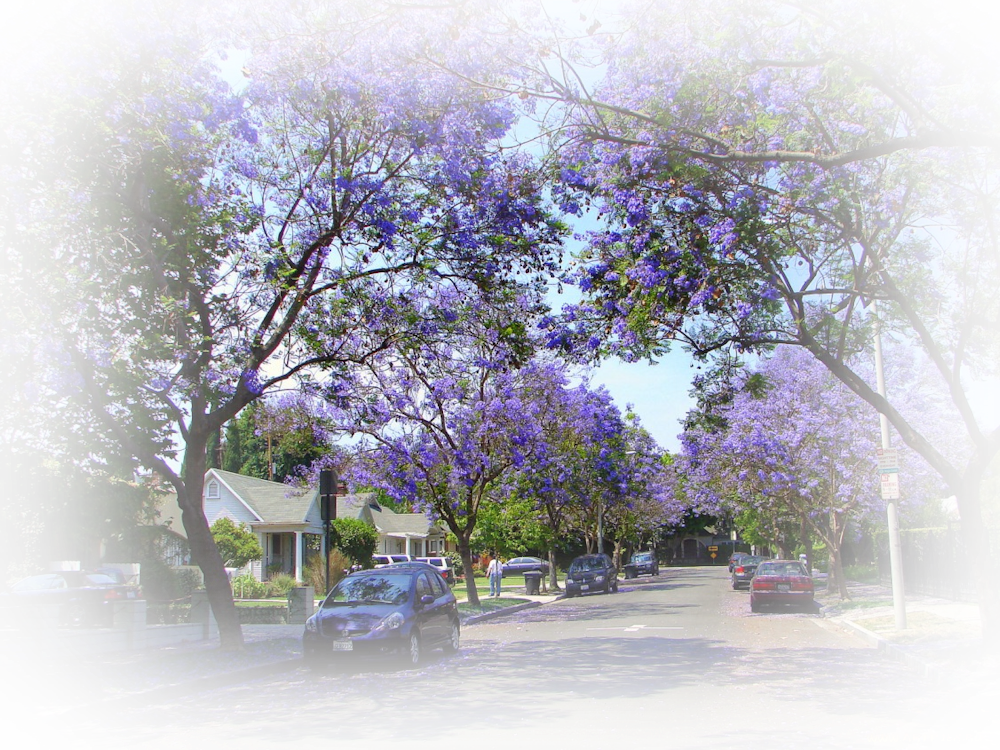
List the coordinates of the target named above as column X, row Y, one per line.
column 273, row 502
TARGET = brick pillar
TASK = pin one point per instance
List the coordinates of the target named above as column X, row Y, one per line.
column 130, row 617
column 201, row 612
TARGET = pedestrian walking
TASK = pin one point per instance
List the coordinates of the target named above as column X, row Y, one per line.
column 495, row 573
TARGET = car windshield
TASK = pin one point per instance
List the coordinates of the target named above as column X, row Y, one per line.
column 588, row 563
column 40, row 583
column 780, row 569
column 751, row 560
column 642, row 558
column 370, row 589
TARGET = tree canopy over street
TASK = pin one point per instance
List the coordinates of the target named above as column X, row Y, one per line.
column 367, row 203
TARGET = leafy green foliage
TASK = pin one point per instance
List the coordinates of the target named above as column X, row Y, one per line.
column 355, row 539
column 237, row 544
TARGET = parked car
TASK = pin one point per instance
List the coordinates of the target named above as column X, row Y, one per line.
column 781, row 582
column 382, row 560
column 402, row 610
column 590, row 573
column 642, row 563
column 745, row 568
column 525, row 564
column 735, row 558
column 75, row 597
column 443, row 566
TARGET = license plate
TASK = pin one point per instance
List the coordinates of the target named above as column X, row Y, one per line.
column 783, row 587
column 343, row 646
column 584, row 587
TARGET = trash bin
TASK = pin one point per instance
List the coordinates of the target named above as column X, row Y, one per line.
column 532, row 580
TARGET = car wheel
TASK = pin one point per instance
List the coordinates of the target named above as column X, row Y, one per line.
column 452, row 644
column 413, row 653
column 76, row 615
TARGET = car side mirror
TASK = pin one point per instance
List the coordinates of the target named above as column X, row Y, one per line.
column 427, row 599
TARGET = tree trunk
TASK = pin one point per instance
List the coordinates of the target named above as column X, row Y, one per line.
column 553, row 579
column 465, row 551
column 977, row 547
column 835, row 565
column 807, row 542
column 204, row 552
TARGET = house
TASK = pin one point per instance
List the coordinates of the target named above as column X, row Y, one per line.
column 287, row 521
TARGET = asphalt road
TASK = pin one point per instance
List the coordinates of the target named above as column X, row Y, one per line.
column 673, row 661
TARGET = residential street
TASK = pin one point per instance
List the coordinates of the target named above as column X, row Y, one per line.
column 677, row 659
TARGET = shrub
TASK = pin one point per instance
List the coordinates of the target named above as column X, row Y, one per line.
column 160, row 582
column 312, row 575
column 167, row 613
column 245, row 586
column 188, row 579
column 861, row 573
column 280, row 584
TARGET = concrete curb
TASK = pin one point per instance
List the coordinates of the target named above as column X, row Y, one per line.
column 473, row 619
column 892, row 650
column 978, row 688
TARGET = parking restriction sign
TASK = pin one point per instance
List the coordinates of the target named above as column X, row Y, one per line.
column 890, row 486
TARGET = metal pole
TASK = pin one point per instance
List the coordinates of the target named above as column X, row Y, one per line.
column 895, row 552
column 326, row 548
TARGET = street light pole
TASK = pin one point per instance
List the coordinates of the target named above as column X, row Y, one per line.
column 895, row 551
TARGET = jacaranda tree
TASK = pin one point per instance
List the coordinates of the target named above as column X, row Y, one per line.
column 447, row 413
column 764, row 171
column 200, row 239
column 799, row 445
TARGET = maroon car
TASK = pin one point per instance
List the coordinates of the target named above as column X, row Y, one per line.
column 781, row 582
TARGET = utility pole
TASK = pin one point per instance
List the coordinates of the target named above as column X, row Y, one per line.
column 890, row 489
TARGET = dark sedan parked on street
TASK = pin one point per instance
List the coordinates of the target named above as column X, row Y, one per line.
column 590, row 573
column 520, row 565
column 403, row 610
column 744, row 570
column 86, row 598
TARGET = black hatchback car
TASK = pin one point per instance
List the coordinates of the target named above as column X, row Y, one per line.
column 85, row 598
column 590, row 573
column 744, row 570
column 401, row 610
column 642, row 563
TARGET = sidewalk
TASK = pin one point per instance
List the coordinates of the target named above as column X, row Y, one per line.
column 927, row 659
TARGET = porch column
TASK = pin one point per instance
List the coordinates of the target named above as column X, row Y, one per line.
column 408, row 552
column 298, row 556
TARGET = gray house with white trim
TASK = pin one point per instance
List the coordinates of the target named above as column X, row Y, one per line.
column 283, row 518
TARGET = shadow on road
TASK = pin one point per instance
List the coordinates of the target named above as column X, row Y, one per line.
column 516, row 685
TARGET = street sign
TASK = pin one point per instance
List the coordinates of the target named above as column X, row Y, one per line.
column 888, row 460
column 712, row 555
column 890, row 486
column 713, row 548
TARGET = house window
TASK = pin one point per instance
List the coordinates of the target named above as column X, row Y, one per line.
column 276, row 545
column 213, row 490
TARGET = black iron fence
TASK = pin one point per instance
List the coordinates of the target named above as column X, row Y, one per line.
column 935, row 562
